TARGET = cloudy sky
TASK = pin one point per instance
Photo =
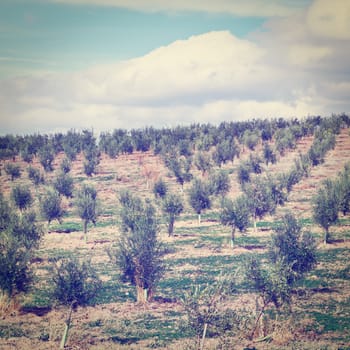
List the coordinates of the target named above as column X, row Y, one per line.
column 106, row 64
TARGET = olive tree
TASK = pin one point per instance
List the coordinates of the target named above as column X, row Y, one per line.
column 46, row 156
column 172, row 207
column 291, row 255
column 139, row 254
column 50, row 206
column 13, row 170
column 235, row 214
column 202, row 162
column 86, row 203
column 75, row 283
column 35, row 176
column 19, row 237
column 64, row 184
column 21, row 197
column 160, row 188
column 219, row 183
column 260, row 199
column 326, row 207
column 199, row 197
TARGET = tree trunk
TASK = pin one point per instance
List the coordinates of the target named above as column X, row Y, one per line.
column 326, row 236
column 203, row 336
column 142, row 294
column 85, row 230
column 171, row 226
column 232, row 236
column 66, row 328
column 199, row 218
column 254, row 220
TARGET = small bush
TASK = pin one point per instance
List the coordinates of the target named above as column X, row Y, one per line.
column 35, row 176
column 160, row 189
column 22, row 197
column 64, row 185
column 13, row 170
column 74, row 282
column 66, row 165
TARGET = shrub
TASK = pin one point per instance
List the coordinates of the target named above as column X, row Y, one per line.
column 46, row 156
column 86, row 203
column 326, row 207
column 74, row 282
column 64, row 185
column 172, row 207
column 35, row 176
column 19, row 236
column 160, row 189
column 139, row 255
column 66, row 165
column 13, row 170
column 199, row 197
column 235, row 214
column 50, row 206
column 22, row 197
column 219, row 183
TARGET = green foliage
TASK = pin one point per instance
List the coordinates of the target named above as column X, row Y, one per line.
column 86, row 203
column 326, row 207
column 46, row 156
column 15, row 273
column 64, row 185
column 260, row 200
column 235, row 214
column 293, row 247
column 74, row 282
column 35, row 176
column 172, row 207
column 160, row 188
column 19, row 236
column 243, row 174
column 254, row 164
column 225, row 151
column 205, row 316
column 219, row 183
column 180, row 167
column 25, row 229
column 91, row 152
column 199, row 196
column 65, row 165
column 268, row 154
column 26, row 155
column 343, row 190
column 21, row 197
column 250, row 139
column 292, row 254
column 13, row 170
column 202, row 162
column 50, row 207
column 72, row 144
column 139, row 255
column 284, row 139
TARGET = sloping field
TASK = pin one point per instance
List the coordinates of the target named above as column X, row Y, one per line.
column 197, row 255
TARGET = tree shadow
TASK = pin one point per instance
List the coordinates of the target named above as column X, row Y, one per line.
column 36, row 310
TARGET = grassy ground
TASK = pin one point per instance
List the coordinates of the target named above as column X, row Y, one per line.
column 197, row 255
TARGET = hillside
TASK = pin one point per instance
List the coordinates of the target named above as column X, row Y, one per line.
column 197, row 255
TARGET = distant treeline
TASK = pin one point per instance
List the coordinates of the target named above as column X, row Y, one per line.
column 181, row 139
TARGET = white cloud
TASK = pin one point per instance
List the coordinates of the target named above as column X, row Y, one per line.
column 307, row 54
column 330, row 19
column 236, row 7
column 285, row 71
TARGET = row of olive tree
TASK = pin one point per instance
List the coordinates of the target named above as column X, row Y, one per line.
column 330, row 200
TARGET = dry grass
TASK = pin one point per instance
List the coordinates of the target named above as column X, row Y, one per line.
column 95, row 327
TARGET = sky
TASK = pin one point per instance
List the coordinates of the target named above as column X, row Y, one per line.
column 106, row 64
